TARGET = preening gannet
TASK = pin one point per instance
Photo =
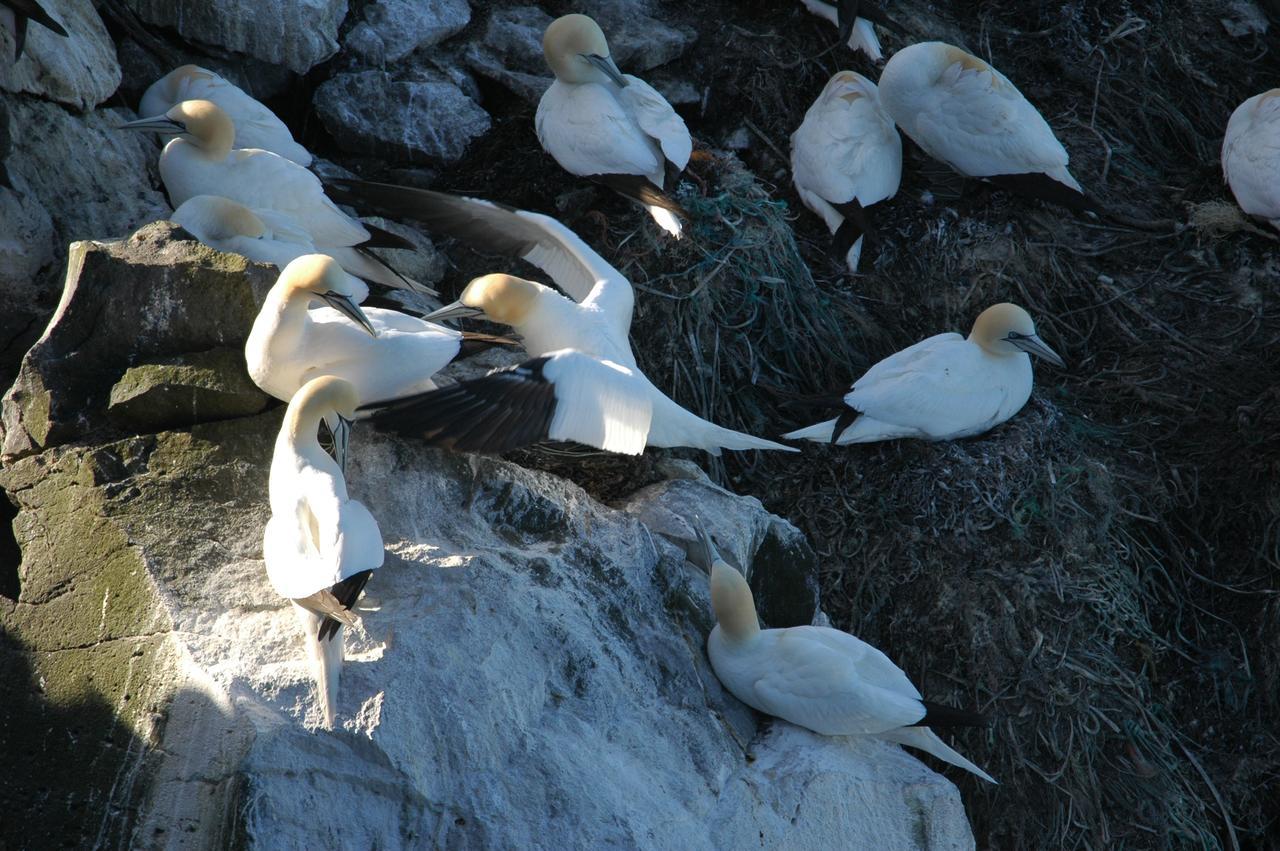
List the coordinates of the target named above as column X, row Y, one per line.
column 1251, row 156
column 608, row 126
column 320, row 545
column 968, row 115
column 14, row 16
column 942, row 388
column 855, row 18
column 819, row 678
column 270, row 236
column 846, row 156
column 256, row 126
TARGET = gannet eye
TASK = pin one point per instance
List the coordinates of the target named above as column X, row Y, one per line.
column 1014, row 335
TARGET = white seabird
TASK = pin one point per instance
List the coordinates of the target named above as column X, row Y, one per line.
column 608, row 126
column 854, row 18
column 819, row 678
column 270, row 236
column 1251, row 156
column 582, row 384
column 320, row 545
column 966, row 114
column 256, row 126
column 846, row 156
column 14, row 17
column 944, row 387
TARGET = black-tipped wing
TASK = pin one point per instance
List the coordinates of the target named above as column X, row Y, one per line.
column 637, row 187
column 383, row 238
column 1044, row 187
column 937, row 715
column 345, row 593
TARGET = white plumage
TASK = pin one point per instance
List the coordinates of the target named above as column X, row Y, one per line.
column 256, row 126
column 861, row 37
column 1251, row 156
column 846, row 149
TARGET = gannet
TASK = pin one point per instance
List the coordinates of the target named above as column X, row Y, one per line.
column 966, row 114
column 942, row 388
column 846, row 156
column 822, row 679
column 256, row 126
column 14, row 15
column 270, row 236
column 854, row 18
column 1251, row 156
column 320, row 545
column 608, row 126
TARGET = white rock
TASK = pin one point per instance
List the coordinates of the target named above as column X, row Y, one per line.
column 80, row 70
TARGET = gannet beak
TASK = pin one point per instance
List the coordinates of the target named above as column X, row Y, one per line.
column 1033, row 345
column 344, row 305
column 341, row 436
column 157, row 124
column 710, row 554
column 605, row 64
column 457, row 310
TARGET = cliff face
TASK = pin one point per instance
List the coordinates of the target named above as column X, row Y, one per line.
column 530, row 670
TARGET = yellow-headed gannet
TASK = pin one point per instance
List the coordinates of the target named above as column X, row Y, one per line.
column 270, row 236
column 14, row 16
column 846, row 156
column 256, row 126
column 968, row 115
column 582, row 384
column 320, row 546
column 854, row 18
column 819, row 678
column 942, row 388
column 608, row 126
column 1251, row 156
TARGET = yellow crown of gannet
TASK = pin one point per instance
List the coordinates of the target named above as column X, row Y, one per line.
column 945, row 387
column 854, row 19
column 608, row 126
column 966, row 114
column 14, row 16
column 1251, row 156
column 846, row 156
column 256, row 126
column 819, row 678
column 320, row 546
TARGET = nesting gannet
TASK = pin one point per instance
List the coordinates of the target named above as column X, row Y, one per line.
column 1251, row 156
column 854, row 19
column 819, row 678
column 270, row 236
column 945, row 387
column 968, row 115
column 14, row 15
column 846, row 156
column 608, row 126
column 320, row 545
column 256, row 126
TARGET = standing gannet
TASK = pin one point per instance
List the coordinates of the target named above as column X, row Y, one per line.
column 608, row 126
column 256, row 126
column 854, row 19
column 320, row 545
column 845, row 156
column 14, row 15
column 1251, row 156
column 819, row 678
column 270, row 236
column 942, row 388
column 968, row 115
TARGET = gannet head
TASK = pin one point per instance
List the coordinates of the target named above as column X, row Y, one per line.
column 731, row 599
column 200, row 122
column 576, row 50
column 505, row 299
column 320, row 276
column 1005, row 330
column 215, row 217
column 849, row 86
column 327, row 395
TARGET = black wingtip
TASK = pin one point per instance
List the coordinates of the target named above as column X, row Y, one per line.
column 1045, row 188
column 637, row 187
column 846, row 419
column 383, row 238
column 938, row 715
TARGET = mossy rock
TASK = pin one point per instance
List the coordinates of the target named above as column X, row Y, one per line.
column 184, row 390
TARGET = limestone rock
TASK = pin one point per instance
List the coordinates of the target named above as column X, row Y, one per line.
column 429, row 119
column 80, row 70
column 392, row 29
column 511, row 51
column 184, row 390
column 638, row 38
column 298, row 34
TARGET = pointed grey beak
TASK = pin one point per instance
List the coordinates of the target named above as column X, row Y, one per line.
column 710, row 555
column 1033, row 345
column 341, row 437
column 157, row 124
column 344, row 305
column 457, row 310
column 605, row 64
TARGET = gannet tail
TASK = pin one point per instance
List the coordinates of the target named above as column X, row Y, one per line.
column 723, row 438
column 924, row 739
column 863, row 429
column 863, row 37
column 666, row 220
column 326, row 661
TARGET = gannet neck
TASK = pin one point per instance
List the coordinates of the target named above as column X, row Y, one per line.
column 317, row 399
column 734, row 607
column 567, row 44
column 207, row 127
